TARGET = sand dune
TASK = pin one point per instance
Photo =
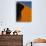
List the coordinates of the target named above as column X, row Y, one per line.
column 26, row 14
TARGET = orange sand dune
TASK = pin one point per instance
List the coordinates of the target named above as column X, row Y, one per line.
column 26, row 14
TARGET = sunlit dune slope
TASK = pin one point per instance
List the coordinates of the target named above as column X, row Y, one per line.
column 26, row 14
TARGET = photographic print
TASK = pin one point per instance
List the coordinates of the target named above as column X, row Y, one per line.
column 24, row 11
